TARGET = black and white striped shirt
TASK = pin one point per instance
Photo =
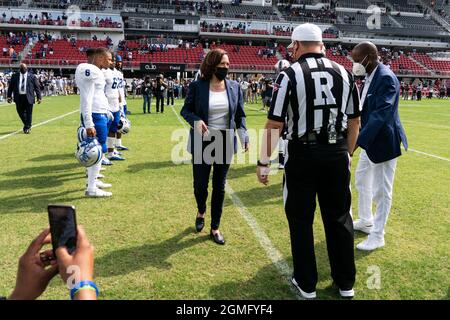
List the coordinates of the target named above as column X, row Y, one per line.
column 312, row 94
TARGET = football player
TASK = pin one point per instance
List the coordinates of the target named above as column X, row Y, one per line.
column 94, row 107
column 113, row 80
column 123, row 103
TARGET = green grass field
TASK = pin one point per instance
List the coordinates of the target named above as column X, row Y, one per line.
column 144, row 238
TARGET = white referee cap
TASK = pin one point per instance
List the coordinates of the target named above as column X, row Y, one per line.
column 306, row 32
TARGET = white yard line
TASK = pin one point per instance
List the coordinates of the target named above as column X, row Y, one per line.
column 272, row 253
column 424, row 112
column 429, row 154
column 409, row 149
column 426, row 124
column 39, row 124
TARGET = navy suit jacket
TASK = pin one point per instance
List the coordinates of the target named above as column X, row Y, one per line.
column 32, row 87
column 196, row 108
column 381, row 130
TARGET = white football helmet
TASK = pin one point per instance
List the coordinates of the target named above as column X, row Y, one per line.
column 124, row 125
column 81, row 134
column 89, row 152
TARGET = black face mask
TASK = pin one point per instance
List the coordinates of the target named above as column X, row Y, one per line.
column 23, row 70
column 221, row 73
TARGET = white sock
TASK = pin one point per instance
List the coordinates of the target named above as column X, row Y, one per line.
column 110, row 142
column 92, row 176
column 118, row 142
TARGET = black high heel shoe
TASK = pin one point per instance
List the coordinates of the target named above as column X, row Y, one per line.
column 218, row 238
column 199, row 223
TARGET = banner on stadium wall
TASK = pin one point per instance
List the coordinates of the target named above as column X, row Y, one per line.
column 162, row 67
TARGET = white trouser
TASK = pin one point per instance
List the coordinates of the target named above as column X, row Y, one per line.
column 374, row 181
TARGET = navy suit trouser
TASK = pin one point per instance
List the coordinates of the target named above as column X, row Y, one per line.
column 25, row 111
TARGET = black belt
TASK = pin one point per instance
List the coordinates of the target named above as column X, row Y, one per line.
column 317, row 138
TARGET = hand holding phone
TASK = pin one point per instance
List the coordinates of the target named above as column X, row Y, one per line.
column 83, row 257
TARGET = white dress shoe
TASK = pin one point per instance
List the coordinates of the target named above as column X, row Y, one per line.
column 304, row 295
column 347, row 294
column 371, row 243
column 97, row 193
column 359, row 225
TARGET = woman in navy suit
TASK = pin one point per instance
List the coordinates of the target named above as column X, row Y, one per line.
column 214, row 108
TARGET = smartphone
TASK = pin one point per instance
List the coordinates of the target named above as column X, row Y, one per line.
column 63, row 227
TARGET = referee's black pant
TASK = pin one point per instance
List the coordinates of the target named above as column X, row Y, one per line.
column 25, row 111
column 322, row 171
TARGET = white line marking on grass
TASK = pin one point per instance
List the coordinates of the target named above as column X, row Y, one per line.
column 274, row 255
column 426, row 124
column 409, row 149
column 39, row 124
column 254, row 109
column 425, row 112
column 428, row 154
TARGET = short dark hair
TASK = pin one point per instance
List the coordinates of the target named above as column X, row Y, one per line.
column 90, row 52
column 211, row 61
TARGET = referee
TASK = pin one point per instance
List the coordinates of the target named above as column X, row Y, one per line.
column 320, row 100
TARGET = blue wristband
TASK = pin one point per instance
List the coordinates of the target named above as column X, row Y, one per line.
column 83, row 284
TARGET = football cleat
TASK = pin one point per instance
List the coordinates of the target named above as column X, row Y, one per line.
column 97, row 193
column 116, row 158
column 122, row 148
column 106, row 162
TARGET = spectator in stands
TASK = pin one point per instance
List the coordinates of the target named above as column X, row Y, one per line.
column 14, row 57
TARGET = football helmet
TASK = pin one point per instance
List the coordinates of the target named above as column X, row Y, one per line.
column 124, row 125
column 89, row 152
column 81, row 134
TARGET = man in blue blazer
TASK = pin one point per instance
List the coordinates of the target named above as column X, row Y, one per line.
column 380, row 137
column 23, row 87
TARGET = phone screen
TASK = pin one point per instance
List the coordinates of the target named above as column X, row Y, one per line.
column 63, row 227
